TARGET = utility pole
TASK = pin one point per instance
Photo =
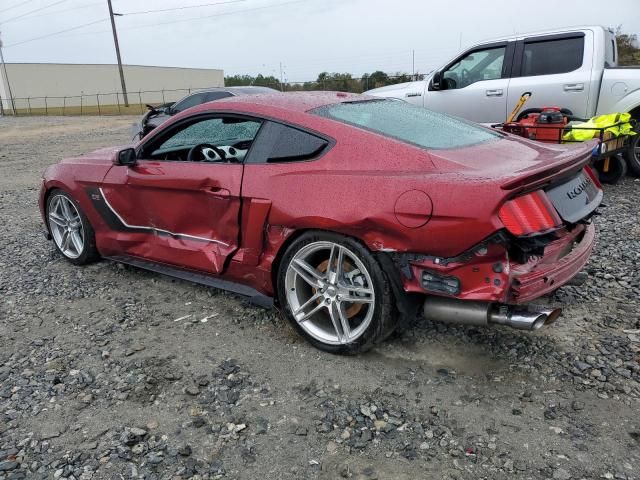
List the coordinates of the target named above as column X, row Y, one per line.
column 281, row 79
column 6, row 77
column 413, row 64
column 115, row 40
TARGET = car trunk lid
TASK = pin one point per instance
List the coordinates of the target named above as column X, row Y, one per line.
column 519, row 166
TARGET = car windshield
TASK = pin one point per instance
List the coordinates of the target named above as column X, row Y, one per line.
column 408, row 123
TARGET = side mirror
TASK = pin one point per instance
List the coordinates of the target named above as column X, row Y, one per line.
column 126, row 157
column 436, row 81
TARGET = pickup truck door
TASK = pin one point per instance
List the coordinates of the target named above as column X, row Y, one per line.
column 475, row 85
column 557, row 70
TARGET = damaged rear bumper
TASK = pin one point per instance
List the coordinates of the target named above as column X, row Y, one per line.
column 562, row 261
column 487, row 273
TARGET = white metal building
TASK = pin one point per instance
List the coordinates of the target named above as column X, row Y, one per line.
column 33, row 84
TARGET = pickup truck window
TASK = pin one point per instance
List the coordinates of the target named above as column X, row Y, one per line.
column 552, row 56
column 474, row 67
column 408, row 123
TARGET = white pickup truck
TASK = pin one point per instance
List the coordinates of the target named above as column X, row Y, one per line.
column 573, row 68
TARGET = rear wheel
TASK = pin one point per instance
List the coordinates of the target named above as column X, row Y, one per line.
column 70, row 229
column 632, row 154
column 334, row 293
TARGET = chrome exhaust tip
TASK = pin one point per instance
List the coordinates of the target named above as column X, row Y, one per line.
column 451, row 310
column 525, row 321
column 552, row 314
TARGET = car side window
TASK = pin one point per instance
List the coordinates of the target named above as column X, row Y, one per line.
column 552, row 56
column 282, row 143
column 474, row 67
column 233, row 135
column 191, row 101
column 211, row 96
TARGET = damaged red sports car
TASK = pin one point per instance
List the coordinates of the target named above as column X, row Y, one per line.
column 351, row 212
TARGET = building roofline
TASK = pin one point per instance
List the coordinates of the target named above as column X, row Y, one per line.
column 113, row 65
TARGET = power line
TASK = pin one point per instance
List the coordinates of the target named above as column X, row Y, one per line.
column 34, row 11
column 16, row 6
column 135, row 27
column 214, row 15
column 182, row 8
column 56, row 12
column 56, row 33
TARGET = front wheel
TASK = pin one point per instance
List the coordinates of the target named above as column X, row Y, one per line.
column 70, row 229
column 334, row 293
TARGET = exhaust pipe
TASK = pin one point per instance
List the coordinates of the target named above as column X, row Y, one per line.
column 451, row 310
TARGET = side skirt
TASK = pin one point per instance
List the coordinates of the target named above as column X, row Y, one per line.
column 252, row 295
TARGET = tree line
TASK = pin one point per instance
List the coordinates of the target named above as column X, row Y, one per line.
column 344, row 82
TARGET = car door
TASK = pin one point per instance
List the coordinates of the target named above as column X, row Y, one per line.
column 180, row 203
column 556, row 69
column 475, row 85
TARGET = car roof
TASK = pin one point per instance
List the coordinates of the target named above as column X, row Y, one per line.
column 247, row 90
column 516, row 36
column 293, row 101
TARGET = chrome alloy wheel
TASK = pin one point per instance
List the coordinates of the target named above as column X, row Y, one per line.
column 330, row 292
column 66, row 226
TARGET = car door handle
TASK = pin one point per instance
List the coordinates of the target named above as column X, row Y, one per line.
column 573, row 87
column 494, row 93
column 218, row 192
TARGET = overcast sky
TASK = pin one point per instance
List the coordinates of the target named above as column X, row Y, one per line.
column 307, row 36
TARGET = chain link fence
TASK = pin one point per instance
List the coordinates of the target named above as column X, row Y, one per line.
column 92, row 104
column 114, row 104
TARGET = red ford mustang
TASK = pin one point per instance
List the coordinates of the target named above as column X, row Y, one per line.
column 351, row 212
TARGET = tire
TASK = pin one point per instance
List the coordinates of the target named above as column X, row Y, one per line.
column 617, row 170
column 309, row 285
column 632, row 154
column 71, row 232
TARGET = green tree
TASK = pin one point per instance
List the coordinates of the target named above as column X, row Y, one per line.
column 628, row 50
column 245, row 80
column 378, row 79
column 238, row 80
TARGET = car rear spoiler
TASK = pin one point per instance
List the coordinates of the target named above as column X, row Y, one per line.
column 535, row 178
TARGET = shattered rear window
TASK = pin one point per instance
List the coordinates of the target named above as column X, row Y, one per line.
column 408, row 123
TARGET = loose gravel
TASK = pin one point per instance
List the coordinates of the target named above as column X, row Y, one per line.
column 109, row 372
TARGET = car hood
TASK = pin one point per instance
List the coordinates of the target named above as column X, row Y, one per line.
column 147, row 122
column 513, row 161
column 398, row 89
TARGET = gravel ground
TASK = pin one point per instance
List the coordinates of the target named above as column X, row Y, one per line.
column 112, row 372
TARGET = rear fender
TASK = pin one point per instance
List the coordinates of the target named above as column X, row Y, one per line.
column 627, row 104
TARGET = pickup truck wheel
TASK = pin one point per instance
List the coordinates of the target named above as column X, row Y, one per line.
column 612, row 171
column 335, row 294
column 632, row 155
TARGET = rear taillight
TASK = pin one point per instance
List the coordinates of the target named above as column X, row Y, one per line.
column 529, row 214
column 593, row 176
